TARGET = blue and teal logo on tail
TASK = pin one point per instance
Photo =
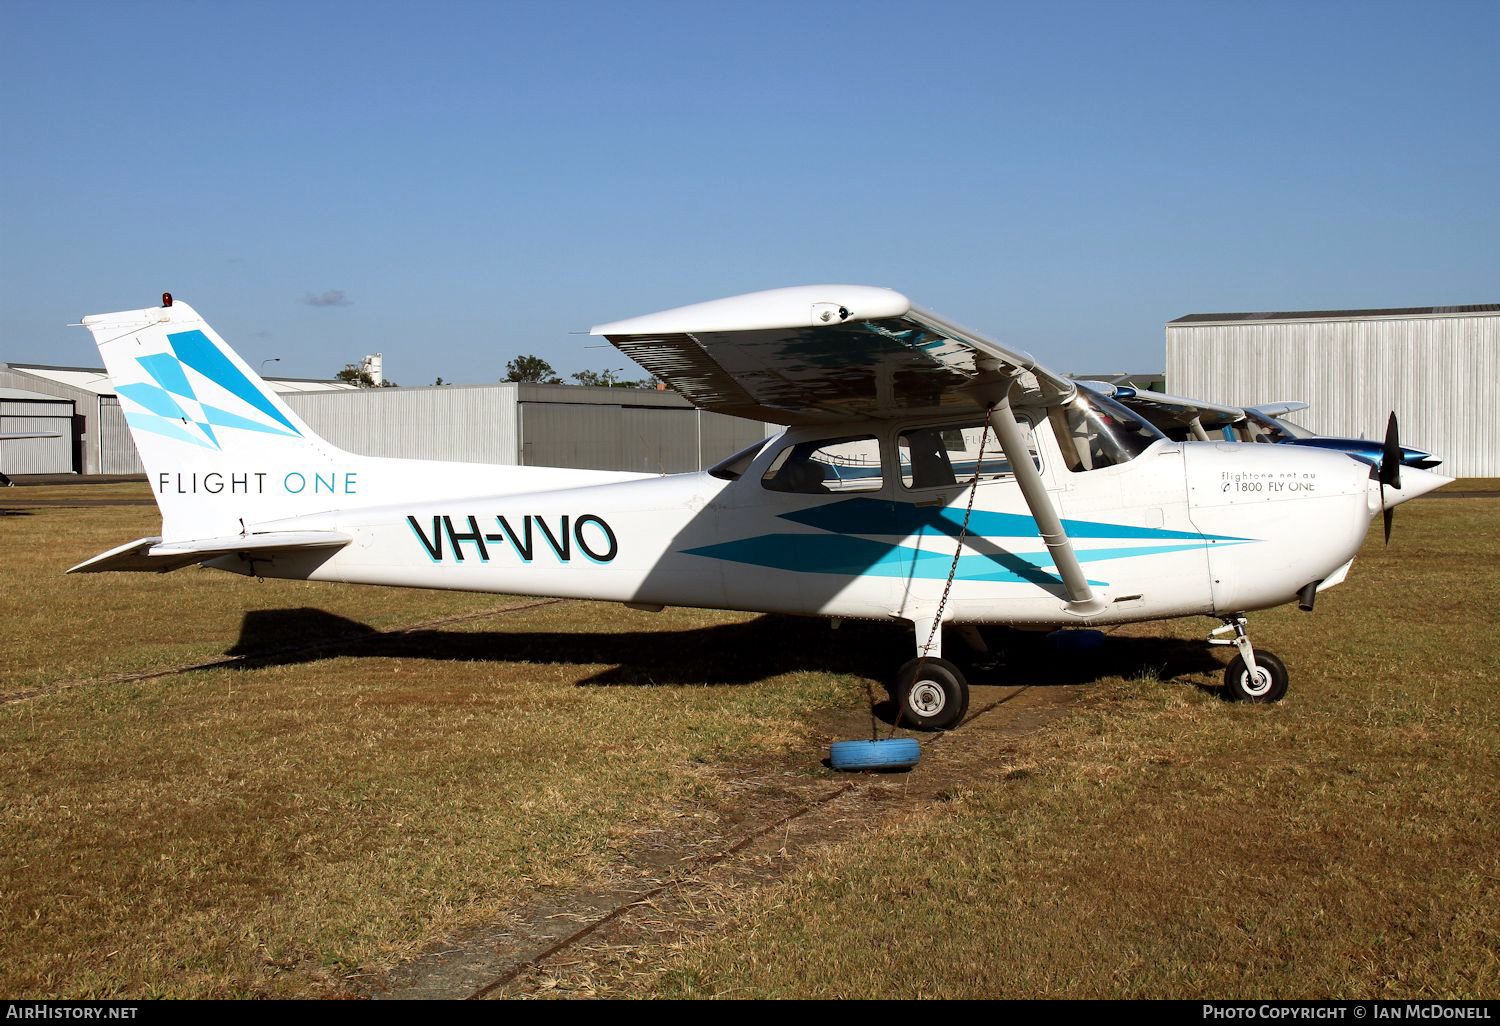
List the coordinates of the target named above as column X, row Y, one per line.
column 170, row 407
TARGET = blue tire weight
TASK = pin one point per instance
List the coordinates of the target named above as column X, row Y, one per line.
column 895, row 753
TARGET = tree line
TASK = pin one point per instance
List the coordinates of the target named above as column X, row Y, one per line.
column 536, row 370
column 531, row 369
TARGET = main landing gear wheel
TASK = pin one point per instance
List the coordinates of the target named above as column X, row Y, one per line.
column 931, row 693
column 1267, row 685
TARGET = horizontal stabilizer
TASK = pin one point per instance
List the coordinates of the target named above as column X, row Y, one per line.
column 155, row 556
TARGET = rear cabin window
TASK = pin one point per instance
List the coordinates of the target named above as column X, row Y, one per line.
column 947, row 455
column 829, row 466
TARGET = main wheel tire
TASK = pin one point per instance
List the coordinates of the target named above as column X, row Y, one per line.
column 1269, row 684
column 932, row 694
column 893, row 753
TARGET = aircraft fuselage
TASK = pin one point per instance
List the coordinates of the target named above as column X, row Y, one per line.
column 1184, row 528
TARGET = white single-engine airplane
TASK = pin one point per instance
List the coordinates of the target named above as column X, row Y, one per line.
column 928, row 474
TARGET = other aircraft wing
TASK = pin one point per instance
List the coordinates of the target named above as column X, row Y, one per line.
column 1277, row 409
column 819, row 353
column 1172, row 411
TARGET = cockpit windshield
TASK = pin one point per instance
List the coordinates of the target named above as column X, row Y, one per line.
column 1094, row 431
column 732, row 468
column 1276, row 429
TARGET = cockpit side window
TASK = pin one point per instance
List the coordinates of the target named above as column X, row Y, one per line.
column 828, row 466
column 1093, row 432
column 947, row 455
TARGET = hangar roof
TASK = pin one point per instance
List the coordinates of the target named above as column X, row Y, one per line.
column 25, row 396
column 1338, row 315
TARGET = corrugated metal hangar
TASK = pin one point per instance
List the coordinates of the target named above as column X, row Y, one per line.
column 99, row 442
column 1437, row 367
column 26, row 411
column 513, row 423
column 508, row 423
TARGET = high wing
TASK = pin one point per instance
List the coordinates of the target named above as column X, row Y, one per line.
column 820, row 353
column 150, row 555
column 813, row 354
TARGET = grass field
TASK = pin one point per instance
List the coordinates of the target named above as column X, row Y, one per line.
column 1161, row 843
column 286, row 825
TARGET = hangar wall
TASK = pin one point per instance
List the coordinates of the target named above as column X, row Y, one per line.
column 117, row 454
column 507, row 423
column 1437, row 367
column 468, row 423
column 514, row 423
column 85, row 450
column 23, row 411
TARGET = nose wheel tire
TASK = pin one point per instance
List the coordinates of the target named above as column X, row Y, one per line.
column 932, row 694
column 1268, row 684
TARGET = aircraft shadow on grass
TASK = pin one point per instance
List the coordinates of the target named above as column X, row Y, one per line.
column 724, row 655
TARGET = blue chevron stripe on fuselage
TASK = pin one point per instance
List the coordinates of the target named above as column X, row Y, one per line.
column 841, row 550
column 885, row 519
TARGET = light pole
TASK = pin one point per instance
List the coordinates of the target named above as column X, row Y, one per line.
column 273, row 359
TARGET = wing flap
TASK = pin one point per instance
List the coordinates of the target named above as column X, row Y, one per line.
column 152, row 555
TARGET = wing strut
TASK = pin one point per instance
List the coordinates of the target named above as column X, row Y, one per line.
column 1081, row 598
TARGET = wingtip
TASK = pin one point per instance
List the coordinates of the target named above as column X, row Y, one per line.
column 796, row 306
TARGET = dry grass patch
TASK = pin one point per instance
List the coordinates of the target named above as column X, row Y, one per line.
column 272, row 830
column 1471, row 484
column 262, row 831
column 1163, row 843
column 55, row 627
column 82, row 490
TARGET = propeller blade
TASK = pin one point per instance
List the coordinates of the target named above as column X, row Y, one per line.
column 1390, row 515
column 1390, row 457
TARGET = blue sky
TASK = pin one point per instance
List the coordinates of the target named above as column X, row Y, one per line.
column 479, row 180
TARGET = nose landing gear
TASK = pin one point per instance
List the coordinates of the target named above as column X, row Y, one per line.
column 1251, row 676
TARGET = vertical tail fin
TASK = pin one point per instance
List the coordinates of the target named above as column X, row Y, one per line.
column 220, row 448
